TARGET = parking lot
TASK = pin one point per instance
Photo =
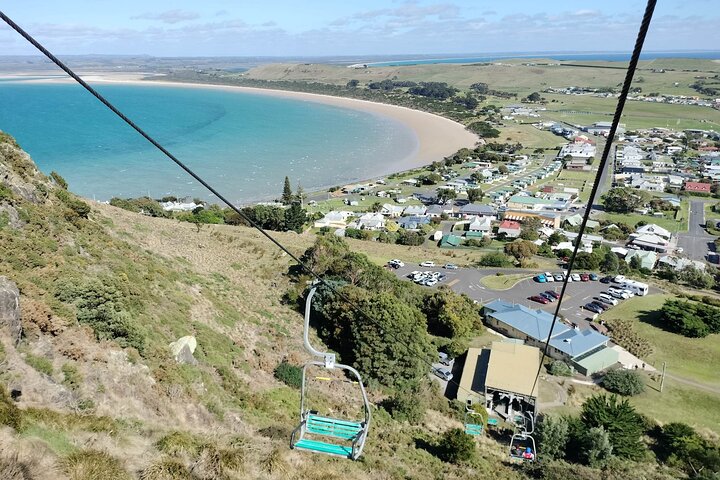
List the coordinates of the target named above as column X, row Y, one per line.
column 467, row 280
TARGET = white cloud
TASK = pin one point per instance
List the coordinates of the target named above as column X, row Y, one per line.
column 168, row 16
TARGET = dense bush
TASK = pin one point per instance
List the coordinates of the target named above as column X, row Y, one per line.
column 495, row 259
column 619, row 419
column 560, row 368
column 691, row 319
column 623, row 333
column 553, row 434
column 290, row 375
column 406, row 405
column 10, row 414
column 455, row 446
column 624, row 382
column 484, row 129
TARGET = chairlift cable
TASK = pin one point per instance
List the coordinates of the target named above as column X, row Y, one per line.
column 411, row 350
column 632, row 66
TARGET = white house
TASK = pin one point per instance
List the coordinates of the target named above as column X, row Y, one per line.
column 392, row 211
column 414, row 210
column 653, row 229
column 334, row 219
column 480, row 224
column 371, row 221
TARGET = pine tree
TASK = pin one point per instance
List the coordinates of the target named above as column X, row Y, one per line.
column 300, row 195
column 287, row 195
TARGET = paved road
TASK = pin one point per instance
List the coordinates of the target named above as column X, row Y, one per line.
column 696, row 241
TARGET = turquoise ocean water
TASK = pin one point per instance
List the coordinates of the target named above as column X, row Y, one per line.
column 243, row 144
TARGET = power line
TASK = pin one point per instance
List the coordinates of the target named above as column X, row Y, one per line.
column 632, row 66
column 197, row 177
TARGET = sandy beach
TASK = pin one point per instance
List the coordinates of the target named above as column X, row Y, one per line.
column 437, row 137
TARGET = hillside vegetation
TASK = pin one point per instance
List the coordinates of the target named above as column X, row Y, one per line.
column 92, row 390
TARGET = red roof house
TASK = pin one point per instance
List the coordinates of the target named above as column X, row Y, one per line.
column 697, row 187
column 509, row 228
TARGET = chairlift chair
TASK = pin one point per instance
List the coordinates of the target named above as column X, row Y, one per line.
column 331, row 436
column 522, row 447
column 474, row 424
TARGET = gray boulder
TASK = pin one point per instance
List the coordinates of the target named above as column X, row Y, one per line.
column 183, row 348
column 10, row 308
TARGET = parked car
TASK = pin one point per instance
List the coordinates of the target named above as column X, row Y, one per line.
column 540, row 278
column 599, row 305
column 606, row 279
column 451, row 266
column 431, row 282
column 559, row 277
column 553, row 294
column 549, row 277
column 605, row 298
column 427, row 263
column 593, row 308
column 395, row 263
column 619, row 278
column 539, row 299
column 549, row 297
column 575, row 277
column 584, row 277
column 628, row 291
column 445, row 359
column 593, row 277
column 617, row 293
column 443, row 373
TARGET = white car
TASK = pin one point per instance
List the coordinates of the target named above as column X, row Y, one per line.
column 443, row 373
column 617, row 293
column 396, row 263
column 619, row 278
column 431, row 282
column 575, row 277
column 605, row 298
column 549, row 277
column 629, row 292
column 427, row 263
column 559, row 277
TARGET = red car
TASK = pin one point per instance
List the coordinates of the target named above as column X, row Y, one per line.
column 584, row 277
column 539, row 299
column 553, row 294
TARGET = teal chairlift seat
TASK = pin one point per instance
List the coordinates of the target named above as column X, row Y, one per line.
column 325, row 434
column 474, row 423
column 522, row 443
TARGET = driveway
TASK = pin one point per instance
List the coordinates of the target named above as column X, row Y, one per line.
column 696, row 242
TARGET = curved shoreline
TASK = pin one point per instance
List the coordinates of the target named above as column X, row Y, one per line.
column 436, row 136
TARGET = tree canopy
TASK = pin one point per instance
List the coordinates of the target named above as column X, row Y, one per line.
column 623, row 200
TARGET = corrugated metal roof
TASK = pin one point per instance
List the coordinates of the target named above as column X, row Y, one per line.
column 512, row 367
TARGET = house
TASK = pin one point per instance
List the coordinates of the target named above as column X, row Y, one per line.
column 583, row 349
column 370, row 221
column 580, row 149
column 392, row 211
column 334, row 219
column 477, row 210
column 501, row 378
column 576, row 220
column 653, row 229
column 697, row 187
column 436, row 210
column 603, row 128
column 179, row 206
column 650, row 241
column 647, row 259
column 414, row 222
column 510, row 228
column 578, row 164
column 480, row 224
column 679, row 263
column 549, row 219
column 410, row 181
column 412, row 210
column 450, row 241
column 524, row 202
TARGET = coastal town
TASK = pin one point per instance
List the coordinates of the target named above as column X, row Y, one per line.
column 334, row 264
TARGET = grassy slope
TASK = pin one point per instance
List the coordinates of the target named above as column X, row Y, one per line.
column 514, row 77
column 221, row 284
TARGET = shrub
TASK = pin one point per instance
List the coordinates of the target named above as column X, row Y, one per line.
column 72, row 378
column 41, row 364
column 167, row 469
column 405, row 405
column 179, row 443
column 624, row 382
column 560, row 368
column 553, row 436
column 10, row 414
column 624, row 334
column 495, row 259
column 59, row 180
column 93, row 465
column 455, row 446
column 290, row 375
column 5, row 193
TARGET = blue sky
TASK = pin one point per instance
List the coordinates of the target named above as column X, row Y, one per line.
column 338, row 27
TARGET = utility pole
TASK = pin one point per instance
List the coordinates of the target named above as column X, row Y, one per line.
column 662, row 379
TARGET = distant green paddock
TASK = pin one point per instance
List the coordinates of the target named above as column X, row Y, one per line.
column 694, row 358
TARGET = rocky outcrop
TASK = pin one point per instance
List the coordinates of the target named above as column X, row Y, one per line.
column 10, row 309
column 183, row 348
column 19, row 174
